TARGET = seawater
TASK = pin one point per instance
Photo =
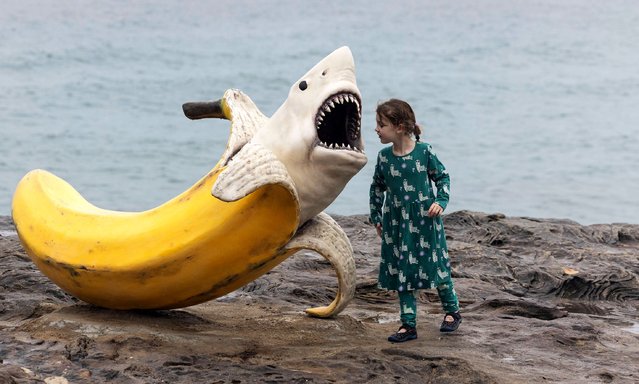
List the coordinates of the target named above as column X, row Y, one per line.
column 531, row 105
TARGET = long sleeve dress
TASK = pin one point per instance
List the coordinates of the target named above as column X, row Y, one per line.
column 414, row 252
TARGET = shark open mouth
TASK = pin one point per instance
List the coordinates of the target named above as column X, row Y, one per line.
column 338, row 122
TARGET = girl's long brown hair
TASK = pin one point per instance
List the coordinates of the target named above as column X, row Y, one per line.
column 400, row 113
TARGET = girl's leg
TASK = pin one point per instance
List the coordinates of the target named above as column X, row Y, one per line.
column 408, row 308
column 448, row 297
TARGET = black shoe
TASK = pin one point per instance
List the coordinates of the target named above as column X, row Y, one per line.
column 450, row 326
column 399, row 337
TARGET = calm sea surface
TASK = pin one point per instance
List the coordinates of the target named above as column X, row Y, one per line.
column 532, row 105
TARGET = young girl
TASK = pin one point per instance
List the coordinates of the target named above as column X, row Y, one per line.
column 407, row 215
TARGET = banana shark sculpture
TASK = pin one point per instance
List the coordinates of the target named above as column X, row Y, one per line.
column 261, row 203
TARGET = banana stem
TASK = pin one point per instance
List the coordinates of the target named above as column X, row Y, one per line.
column 195, row 110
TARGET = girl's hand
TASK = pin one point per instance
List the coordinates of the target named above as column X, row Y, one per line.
column 379, row 230
column 435, row 210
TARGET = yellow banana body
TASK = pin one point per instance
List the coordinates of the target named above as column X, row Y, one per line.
column 189, row 250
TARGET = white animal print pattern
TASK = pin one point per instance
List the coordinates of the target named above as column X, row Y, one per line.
column 414, row 251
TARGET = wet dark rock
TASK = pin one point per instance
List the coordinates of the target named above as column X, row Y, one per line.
column 543, row 300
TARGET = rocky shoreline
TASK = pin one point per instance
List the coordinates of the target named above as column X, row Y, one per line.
column 543, row 300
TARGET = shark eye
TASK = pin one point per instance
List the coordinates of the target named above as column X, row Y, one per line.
column 324, row 73
column 303, row 85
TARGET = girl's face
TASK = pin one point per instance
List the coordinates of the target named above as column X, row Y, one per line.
column 387, row 132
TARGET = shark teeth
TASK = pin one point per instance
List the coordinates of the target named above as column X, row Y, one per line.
column 338, row 122
column 346, row 147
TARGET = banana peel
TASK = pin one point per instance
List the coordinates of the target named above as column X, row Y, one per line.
column 243, row 218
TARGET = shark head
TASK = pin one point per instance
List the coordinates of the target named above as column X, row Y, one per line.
column 316, row 132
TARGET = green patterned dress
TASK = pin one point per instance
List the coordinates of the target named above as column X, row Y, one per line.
column 414, row 251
